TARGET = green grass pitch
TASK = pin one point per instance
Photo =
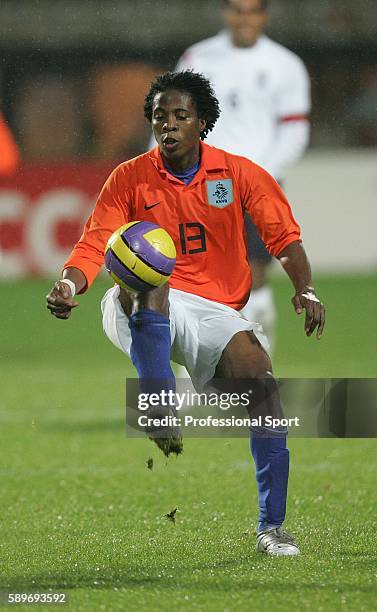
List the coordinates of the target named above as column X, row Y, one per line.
column 80, row 511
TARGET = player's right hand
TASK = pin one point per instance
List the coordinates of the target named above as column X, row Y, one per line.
column 60, row 302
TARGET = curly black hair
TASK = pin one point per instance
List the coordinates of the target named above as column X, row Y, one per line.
column 192, row 83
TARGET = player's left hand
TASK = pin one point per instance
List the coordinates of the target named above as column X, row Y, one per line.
column 307, row 301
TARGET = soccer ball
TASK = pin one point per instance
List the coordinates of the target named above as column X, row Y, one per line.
column 140, row 256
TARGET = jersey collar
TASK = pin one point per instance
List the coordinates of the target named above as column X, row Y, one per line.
column 212, row 160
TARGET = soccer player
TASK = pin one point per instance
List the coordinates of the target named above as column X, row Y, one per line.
column 264, row 94
column 9, row 153
column 199, row 194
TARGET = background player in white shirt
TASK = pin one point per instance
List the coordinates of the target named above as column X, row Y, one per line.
column 264, row 93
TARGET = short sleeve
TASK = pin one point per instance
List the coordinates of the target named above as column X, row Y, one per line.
column 269, row 209
column 112, row 210
column 293, row 97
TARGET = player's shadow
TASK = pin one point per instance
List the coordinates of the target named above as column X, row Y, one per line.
column 132, row 576
column 64, row 582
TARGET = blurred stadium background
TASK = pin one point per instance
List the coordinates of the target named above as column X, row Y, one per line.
column 72, row 80
column 79, row 504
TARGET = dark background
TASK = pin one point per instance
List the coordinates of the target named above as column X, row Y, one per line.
column 73, row 73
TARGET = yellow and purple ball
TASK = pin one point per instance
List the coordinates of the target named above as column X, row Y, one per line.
column 140, row 256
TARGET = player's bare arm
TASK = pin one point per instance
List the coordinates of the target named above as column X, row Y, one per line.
column 60, row 300
column 295, row 262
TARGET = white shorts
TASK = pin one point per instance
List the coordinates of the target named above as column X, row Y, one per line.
column 200, row 330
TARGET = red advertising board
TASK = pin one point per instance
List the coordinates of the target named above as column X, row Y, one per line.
column 42, row 211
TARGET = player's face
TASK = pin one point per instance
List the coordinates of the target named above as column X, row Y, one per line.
column 177, row 128
column 246, row 20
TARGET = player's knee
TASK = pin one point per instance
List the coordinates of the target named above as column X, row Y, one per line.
column 157, row 299
column 244, row 357
column 264, row 365
column 258, row 363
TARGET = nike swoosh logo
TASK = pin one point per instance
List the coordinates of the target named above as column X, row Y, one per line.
column 146, row 207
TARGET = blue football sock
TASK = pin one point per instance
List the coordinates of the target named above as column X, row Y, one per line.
column 150, row 351
column 271, row 457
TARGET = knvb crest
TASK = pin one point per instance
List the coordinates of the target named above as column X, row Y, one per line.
column 220, row 193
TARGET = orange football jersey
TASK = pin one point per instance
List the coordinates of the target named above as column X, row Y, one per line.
column 205, row 220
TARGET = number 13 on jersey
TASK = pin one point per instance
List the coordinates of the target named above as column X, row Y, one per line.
column 193, row 238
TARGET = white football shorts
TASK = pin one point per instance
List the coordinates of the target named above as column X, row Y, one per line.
column 200, row 330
